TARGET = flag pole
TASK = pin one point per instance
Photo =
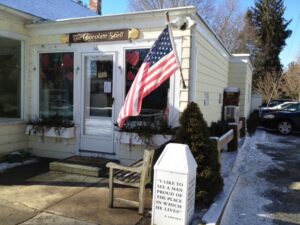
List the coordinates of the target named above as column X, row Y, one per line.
column 174, row 48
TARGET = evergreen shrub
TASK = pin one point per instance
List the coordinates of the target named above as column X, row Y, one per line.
column 253, row 122
column 217, row 129
column 195, row 133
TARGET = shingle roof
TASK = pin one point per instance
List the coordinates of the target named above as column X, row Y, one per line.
column 49, row 9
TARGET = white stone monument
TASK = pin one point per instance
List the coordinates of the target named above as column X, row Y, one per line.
column 174, row 186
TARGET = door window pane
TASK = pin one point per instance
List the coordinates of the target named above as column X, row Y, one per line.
column 10, row 79
column 56, row 84
column 98, row 98
column 98, row 82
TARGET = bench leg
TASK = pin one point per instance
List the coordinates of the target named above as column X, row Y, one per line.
column 141, row 199
column 111, row 189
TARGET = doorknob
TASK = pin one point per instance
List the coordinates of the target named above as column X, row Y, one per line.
column 112, row 100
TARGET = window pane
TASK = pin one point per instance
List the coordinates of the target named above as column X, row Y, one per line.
column 98, row 98
column 10, row 79
column 98, row 81
column 56, row 84
column 157, row 101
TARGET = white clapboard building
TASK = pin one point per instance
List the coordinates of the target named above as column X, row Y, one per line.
column 70, row 61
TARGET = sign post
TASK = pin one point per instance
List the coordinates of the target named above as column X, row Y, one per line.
column 174, row 186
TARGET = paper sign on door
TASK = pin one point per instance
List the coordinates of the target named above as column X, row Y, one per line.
column 107, row 87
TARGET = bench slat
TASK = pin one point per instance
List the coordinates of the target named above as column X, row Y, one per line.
column 225, row 139
column 127, row 176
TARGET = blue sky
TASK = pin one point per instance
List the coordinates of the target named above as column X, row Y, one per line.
column 292, row 49
column 289, row 53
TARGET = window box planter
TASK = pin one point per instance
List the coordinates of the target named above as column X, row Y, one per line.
column 64, row 132
column 134, row 139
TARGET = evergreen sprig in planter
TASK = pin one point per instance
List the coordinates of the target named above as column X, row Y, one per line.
column 133, row 138
column 54, row 127
column 153, row 131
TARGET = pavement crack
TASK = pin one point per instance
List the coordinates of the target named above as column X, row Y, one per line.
column 69, row 217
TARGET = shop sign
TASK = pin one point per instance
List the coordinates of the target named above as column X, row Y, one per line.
column 98, row 36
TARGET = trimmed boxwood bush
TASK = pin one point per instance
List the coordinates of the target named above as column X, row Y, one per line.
column 195, row 133
column 217, row 129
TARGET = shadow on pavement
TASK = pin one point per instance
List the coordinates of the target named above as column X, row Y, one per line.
column 38, row 174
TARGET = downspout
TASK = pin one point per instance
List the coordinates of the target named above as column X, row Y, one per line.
column 193, row 66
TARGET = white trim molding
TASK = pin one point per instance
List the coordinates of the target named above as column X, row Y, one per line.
column 241, row 58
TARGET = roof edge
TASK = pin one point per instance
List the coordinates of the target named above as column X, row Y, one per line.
column 241, row 54
column 187, row 9
column 18, row 13
column 241, row 57
column 214, row 33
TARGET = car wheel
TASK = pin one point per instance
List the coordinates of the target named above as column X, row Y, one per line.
column 285, row 127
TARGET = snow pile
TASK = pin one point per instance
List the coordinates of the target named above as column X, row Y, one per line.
column 227, row 163
column 6, row 165
column 246, row 202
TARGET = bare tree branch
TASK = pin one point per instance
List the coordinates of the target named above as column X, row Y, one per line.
column 228, row 23
column 291, row 81
column 267, row 86
column 204, row 7
column 227, row 20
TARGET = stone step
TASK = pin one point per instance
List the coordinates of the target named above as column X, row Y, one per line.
column 88, row 166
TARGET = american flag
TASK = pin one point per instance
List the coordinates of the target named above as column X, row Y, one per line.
column 159, row 64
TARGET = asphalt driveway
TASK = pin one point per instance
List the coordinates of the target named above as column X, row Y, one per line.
column 268, row 189
column 285, row 196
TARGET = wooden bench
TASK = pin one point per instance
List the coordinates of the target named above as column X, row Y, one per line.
column 136, row 175
column 221, row 142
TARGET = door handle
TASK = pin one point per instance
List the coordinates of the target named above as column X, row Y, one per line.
column 112, row 100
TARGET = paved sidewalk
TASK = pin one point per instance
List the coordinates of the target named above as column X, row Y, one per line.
column 32, row 195
column 268, row 190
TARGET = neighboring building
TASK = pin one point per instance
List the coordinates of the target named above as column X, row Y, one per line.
column 87, row 81
column 256, row 101
column 240, row 75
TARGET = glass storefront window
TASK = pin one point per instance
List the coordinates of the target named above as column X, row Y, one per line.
column 155, row 105
column 10, row 79
column 56, row 84
column 158, row 99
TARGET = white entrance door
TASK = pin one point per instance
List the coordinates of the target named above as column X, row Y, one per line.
column 98, row 103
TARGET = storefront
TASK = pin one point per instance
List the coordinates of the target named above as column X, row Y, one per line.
column 83, row 73
column 81, row 69
column 87, row 83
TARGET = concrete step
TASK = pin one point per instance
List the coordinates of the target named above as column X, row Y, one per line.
column 88, row 166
